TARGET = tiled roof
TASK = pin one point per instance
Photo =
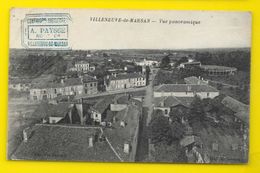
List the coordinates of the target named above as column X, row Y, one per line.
column 66, row 82
column 241, row 110
column 171, row 101
column 45, row 110
column 103, row 104
column 213, row 134
column 193, row 62
column 216, row 67
column 194, row 80
column 185, row 88
column 126, row 76
column 88, row 78
column 60, row 142
column 119, row 135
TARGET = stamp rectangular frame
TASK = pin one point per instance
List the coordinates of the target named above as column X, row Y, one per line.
column 254, row 156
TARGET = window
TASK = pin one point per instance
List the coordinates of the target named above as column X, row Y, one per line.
column 207, row 94
column 91, row 85
column 55, row 91
column 166, row 111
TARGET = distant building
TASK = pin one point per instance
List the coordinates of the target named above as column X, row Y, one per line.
column 90, row 85
column 185, row 90
column 214, row 70
column 20, row 84
column 82, row 66
column 190, row 64
column 50, row 90
column 146, row 62
column 124, row 81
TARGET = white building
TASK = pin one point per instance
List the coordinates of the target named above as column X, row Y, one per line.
column 186, row 90
column 82, row 66
column 146, row 62
column 50, row 90
column 124, row 81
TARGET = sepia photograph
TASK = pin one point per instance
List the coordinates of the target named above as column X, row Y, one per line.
column 129, row 86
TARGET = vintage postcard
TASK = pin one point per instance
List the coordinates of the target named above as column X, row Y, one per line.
column 129, row 86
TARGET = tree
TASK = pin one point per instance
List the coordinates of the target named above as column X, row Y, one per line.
column 169, row 153
column 165, row 62
column 159, row 128
column 147, row 74
column 181, row 60
column 197, row 108
column 179, row 112
column 177, row 130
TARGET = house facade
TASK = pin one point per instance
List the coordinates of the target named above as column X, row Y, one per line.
column 90, row 85
column 125, row 81
column 50, row 90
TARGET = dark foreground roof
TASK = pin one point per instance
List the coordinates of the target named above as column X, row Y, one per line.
column 64, row 142
column 119, row 135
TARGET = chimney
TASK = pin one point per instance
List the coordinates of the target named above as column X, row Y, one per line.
column 25, row 134
column 189, row 88
column 126, row 148
column 114, row 119
column 215, row 146
column 122, row 124
column 90, row 141
column 62, row 81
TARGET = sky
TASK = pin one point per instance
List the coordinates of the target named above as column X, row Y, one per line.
column 216, row 29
